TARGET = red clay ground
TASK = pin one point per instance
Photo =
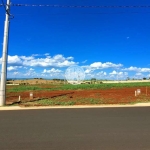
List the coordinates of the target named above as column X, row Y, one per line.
column 109, row 96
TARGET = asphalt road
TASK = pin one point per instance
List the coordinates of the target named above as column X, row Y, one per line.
column 76, row 129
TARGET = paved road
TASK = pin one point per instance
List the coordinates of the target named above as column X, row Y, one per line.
column 76, row 129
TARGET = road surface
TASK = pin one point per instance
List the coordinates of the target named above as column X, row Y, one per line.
column 76, row 129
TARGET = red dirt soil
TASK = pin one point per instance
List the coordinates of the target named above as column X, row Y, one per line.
column 110, row 96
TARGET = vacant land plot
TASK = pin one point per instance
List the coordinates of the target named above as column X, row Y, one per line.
column 116, row 93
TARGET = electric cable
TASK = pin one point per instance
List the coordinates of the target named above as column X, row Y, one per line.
column 82, row 6
column 79, row 6
column 4, row 5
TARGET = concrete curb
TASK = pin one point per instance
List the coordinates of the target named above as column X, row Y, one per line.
column 75, row 106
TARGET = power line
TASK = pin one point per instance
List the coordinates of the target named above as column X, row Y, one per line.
column 80, row 6
column 4, row 5
column 6, row 9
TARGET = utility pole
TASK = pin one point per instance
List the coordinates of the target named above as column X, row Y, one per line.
column 4, row 58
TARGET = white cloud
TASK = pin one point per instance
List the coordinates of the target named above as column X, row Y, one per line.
column 30, row 66
column 70, row 58
column 101, row 73
column 31, row 61
column 53, row 70
column 113, row 73
column 46, row 54
column 137, row 69
column 139, row 74
column 100, row 65
column 120, row 75
column 12, row 68
column 148, row 75
column 126, row 73
column 27, row 58
column 131, row 69
column 105, row 73
column 14, row 60
column 144, row 69
column 16, row 73
column 31, row 69
column 88, row 71
column 123, row 75
column 59, row 57
column 56, row 61
column 36, row 55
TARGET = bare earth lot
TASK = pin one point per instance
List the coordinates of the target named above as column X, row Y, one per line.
column 81, row 96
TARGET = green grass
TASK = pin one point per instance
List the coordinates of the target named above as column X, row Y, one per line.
column 102, row 86
column 80, row 101
column 66, row 100
column 63, row 101
column 21, row 88
column 52, row 103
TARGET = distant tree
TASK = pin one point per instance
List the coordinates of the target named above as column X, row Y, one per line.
column 144, row 78
column 93, row 79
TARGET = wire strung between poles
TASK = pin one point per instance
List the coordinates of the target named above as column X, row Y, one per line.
column 79, row 6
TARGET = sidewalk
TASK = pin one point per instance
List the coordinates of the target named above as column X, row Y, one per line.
column 75, row 106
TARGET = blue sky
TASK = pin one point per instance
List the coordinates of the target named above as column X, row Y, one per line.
column 106, row 42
